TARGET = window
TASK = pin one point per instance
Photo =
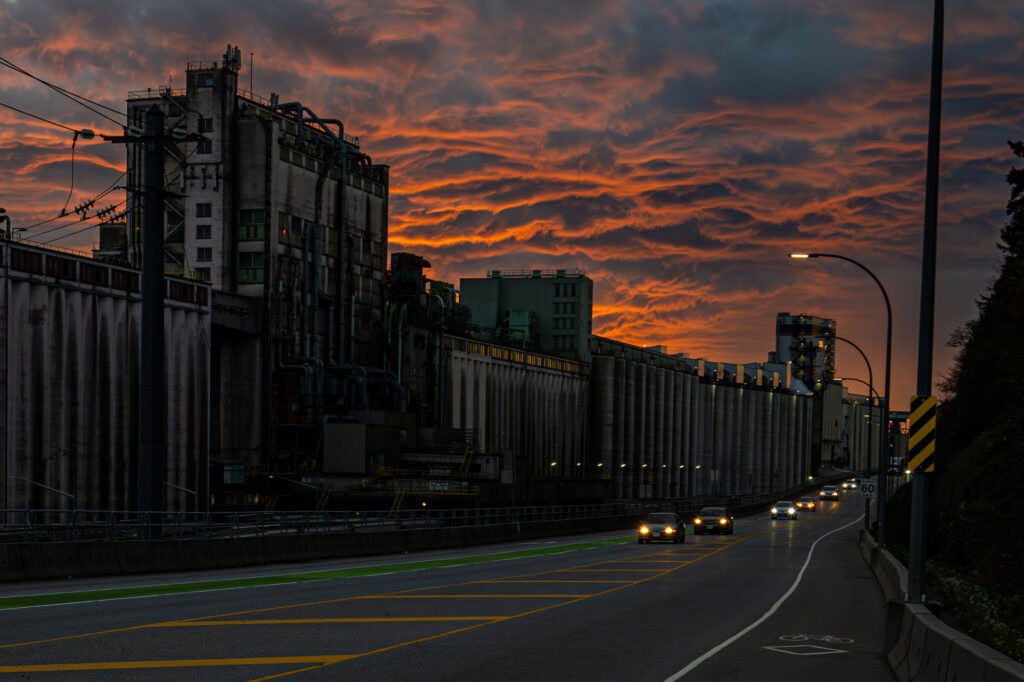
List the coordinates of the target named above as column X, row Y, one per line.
column 205, row 146
column 204, row 210
column 206, row 125
column 203, row 274
column 250, row 224
column 204, row 254
column 203, row 231
column 282, row 227
column 250, row 267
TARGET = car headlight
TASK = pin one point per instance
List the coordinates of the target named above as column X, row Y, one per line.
column 792, row 511
column 723, row 521
column 644, row 530
column 669, row 530
column 774, row 510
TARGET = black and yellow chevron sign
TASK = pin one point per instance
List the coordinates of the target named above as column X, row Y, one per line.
column 921, row 446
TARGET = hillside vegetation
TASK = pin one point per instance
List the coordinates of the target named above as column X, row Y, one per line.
column 975, row 545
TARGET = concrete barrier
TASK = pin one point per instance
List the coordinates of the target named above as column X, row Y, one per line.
column 919, row 646
column 50, row 560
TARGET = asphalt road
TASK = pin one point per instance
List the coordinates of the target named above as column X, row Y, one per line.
column 779, row 600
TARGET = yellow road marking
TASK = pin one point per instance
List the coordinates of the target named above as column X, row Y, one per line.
column 538, row 580
column 175, row 663
column 323, row 661
column 609, row 570
column 305, row 621
column 470, row 596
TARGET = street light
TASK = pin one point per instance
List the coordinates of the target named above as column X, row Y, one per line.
column 883, row 447
column 881, row 425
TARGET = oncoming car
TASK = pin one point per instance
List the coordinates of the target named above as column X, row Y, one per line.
column 661, row 526
column 783, row 509
column 807, row 504
column 851, row 484
column 712, row 520
column 829, row 492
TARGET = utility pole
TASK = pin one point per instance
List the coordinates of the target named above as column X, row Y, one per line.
column 919, row 498
column 151, row 375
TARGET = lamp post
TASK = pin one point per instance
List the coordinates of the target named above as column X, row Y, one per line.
column 883, row 447
column 871, row 389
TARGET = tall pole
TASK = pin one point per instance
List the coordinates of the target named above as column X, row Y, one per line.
column 871, row 411
column 151, row 375
column 919, row 495
column 883, row 446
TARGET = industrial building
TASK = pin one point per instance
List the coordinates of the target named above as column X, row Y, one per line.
column 302, row 372
column 69, row 371
column 809, row 343
column 286, row 217
column 542, row 310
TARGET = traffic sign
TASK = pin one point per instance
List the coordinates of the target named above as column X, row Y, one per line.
column 867, row 487
column 921, row 441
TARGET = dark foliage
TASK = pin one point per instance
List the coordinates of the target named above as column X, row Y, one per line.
column 977, row 493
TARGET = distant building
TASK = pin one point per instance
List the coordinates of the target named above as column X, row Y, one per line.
column 113, row 245
column 808, row 342
column 287, row 218
column 550, row 311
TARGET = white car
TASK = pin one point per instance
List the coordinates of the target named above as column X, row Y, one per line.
column 783, row 509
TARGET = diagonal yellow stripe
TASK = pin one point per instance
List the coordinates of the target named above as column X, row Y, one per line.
column 928, row 404
column 926, row 452
column 926, row 430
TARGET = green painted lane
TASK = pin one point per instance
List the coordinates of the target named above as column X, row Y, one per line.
column 26, row 601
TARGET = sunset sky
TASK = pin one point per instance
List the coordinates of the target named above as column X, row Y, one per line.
column 675, row 151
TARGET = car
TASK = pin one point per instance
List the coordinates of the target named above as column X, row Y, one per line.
column 784, row 509
column 662, row 526
column 851, row 484
column 807, row 504
column 829, row 492
column 712, row 520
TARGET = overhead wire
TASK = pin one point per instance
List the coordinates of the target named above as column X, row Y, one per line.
column 74, row 97
column 40, row 118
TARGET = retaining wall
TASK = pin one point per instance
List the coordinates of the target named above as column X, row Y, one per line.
column 919, row 646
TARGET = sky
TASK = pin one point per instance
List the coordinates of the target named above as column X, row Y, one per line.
column 675, row 151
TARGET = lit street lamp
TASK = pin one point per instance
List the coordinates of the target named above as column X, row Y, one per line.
column 883, row 456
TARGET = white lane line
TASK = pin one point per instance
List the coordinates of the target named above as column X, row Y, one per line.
column 696, row 662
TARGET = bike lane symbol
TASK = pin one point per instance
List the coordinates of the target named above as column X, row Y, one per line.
column 810, row 649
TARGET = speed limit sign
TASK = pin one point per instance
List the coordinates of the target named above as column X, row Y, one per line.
column 867, row 487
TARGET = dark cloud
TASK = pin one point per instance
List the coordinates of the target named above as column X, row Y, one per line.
column 672, row 149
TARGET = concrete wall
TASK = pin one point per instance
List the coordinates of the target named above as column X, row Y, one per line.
column 919, row 646
column 538, row 413
column 69, row 392
column 658, row 432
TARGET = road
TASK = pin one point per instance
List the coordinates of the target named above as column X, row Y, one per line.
column 778, row 600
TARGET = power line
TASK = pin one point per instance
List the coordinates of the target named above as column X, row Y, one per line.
column 76, row 98
column 78, row 232
column 99, row 196
column 44, row 120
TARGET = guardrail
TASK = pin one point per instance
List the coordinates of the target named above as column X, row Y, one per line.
column 81, row 525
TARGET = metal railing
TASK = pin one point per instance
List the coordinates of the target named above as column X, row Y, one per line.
column 56, row 525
